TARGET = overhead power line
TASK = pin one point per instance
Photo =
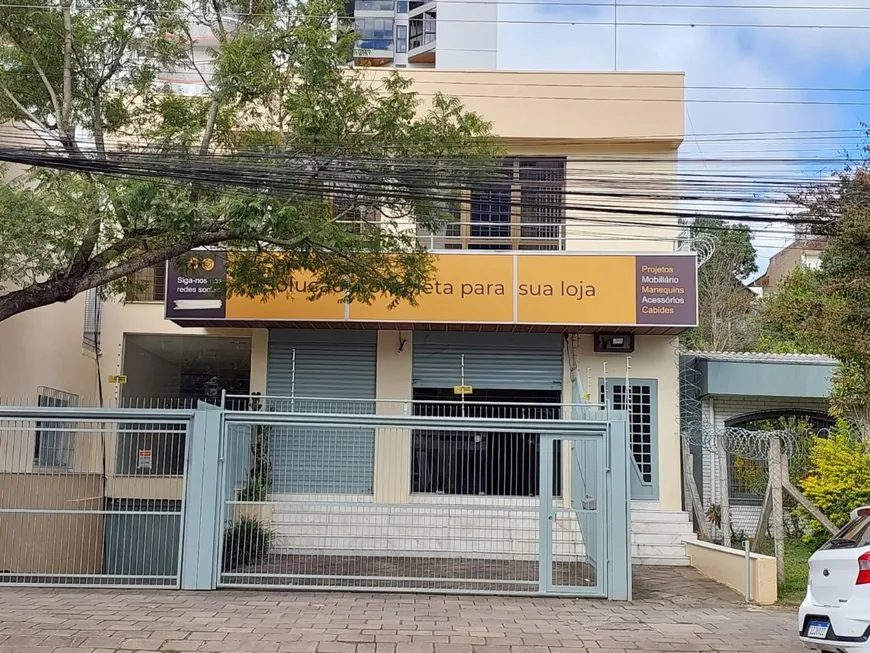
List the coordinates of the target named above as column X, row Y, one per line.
column 373, row 189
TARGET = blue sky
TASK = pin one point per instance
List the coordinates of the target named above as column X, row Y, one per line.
column 711, row 56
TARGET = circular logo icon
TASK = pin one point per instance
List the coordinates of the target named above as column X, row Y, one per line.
column 208, row 264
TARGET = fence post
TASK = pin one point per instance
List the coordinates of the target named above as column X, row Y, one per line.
column 774, row 469
column 724, row 491
column 747, row 590
column 618, row 493
column 202, row 501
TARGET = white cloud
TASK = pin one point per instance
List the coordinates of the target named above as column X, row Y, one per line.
column 709, row 56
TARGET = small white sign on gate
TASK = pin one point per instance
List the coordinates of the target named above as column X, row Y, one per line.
column 144, row 459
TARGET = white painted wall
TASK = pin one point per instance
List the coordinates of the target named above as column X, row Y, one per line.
column 43, row 347
column 467, row 35
column 654, row 357
column 595, row 183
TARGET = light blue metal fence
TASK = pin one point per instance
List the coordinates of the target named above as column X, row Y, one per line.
column 92, row 496
column 221, row 520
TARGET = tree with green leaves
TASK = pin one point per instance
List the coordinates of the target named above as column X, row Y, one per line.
column 288, row 149
column 725, row 305
column 827, row 310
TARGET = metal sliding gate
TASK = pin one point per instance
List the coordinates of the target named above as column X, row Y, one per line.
column 568, row 535
column 92, row 497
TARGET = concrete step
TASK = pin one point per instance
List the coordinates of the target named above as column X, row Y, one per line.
column 661, row 515
column 660, row 527
column 662, row 538
column 661, row 561
column 646, row 506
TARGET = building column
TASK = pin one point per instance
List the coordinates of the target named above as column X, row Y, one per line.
column 392, row 473
column 259, row 360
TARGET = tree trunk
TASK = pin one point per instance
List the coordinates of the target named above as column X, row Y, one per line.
column 64, row 289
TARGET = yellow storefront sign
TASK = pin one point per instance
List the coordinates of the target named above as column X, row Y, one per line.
column 484, row 288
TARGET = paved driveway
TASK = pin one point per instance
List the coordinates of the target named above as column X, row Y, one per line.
column 674, row 610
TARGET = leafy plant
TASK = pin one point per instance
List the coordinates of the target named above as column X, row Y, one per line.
column 838, row 480
column 254, row 490
column 248, row 541
column 726, row 319
column 714, row 514
column 824, row 310
column 280, row 107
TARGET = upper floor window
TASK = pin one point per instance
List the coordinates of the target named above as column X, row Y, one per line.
column 148, row 284
column 374, row 5
column 401, row 38
column 524, row 209
column 375, row 33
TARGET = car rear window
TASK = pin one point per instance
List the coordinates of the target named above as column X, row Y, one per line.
column 853, row 535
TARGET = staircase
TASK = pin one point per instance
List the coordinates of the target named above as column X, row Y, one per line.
column 658, row 537
column 303, row 524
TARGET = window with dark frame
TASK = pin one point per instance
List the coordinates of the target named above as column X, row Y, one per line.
column 401, row 38
column 147, row 285
column 639, row 402
column 522, row 210
column 54, row 442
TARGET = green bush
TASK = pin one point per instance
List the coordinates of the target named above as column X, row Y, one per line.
column 838, row 479
column 246, row 542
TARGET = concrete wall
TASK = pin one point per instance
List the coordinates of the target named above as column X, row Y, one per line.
column 616, row 108
column 43, row 347
column 594, row 185
column 393, row 446
column 41, row 543
column 806, row 253
column 728, row 567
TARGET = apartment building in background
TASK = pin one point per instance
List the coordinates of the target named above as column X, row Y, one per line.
column 805, row 251
column 445, row 34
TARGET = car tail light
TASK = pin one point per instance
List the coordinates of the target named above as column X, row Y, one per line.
column 863, row 570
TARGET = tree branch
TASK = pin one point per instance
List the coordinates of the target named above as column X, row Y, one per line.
column 27, row 114
column 97, row 125
column 39, row 70
column 64, row 289
column 209, row 126
column 66, row 104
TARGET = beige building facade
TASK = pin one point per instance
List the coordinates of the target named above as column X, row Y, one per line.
column 583, row 138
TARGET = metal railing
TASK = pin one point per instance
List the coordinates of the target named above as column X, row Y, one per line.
column 545, row 235
column 333, row 493
column 424, row 408
column 91, row 496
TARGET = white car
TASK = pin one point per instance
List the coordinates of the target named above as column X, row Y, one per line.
column 835, row 615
